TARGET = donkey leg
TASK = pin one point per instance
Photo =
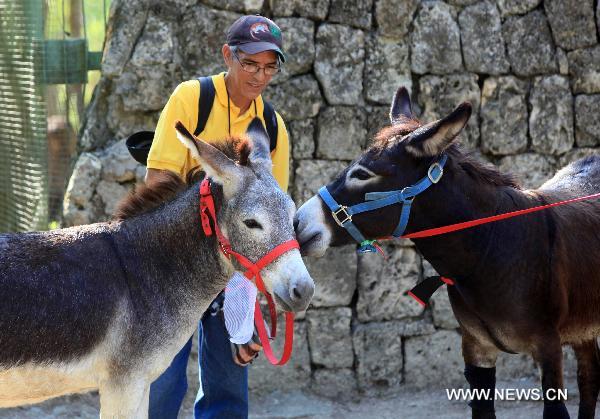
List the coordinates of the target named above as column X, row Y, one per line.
column 548, row 356
column 588, row 377
column 480, row 372
column 124, row 399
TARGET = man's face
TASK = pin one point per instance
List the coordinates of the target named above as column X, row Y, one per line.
column 249, row 84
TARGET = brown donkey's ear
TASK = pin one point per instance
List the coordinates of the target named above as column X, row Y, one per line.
column 432, row 139
column 214, row 162
column 401, row 107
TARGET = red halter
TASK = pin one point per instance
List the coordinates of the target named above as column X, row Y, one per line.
column 207, row 209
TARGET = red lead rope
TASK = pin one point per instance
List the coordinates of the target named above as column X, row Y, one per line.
column 207, row 209
column 468, row 224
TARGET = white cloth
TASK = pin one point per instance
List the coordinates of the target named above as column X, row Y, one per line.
column 238, row 308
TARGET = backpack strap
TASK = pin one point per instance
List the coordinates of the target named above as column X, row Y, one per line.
column 271, row 122
column 205, row 102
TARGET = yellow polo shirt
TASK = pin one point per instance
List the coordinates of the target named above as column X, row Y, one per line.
column 167, row 152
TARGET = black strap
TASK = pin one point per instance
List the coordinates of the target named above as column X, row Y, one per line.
column 205, row 102
column 271, row 122
column 423, row 291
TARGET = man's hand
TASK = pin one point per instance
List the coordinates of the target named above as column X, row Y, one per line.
column 245, row 354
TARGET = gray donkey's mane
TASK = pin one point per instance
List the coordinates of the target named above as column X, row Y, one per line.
column 146, row 198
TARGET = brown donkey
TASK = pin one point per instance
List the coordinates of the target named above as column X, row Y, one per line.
column 526, row 285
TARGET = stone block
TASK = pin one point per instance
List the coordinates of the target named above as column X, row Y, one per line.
column 439, row 95
column 587, row 122
column 481, row 37
column 530, row 168
column 339, row 63
column 388, row 67
column 529, row 43
column 203, row 39
column 111, row 193
column 243, row 6
column 334, row 276
column 383, row 284
column 341, row 132
column 435, row 40
column 572, row 22
column 443, row 316
column 123, row 123
column 551, row 117
column 302, row 138
column 516, row 7
column 504, row 115
column 77, row 204
column 584, row 70
column 311, row 175
column 329, row 337
column 355, row 13
column 297, row 98
column 83, row 181
column 379, row 357
column 264, row 378
column 298, row 46
column 117, row 163
column 394, row 17
column 156, row 45
column 378, row 117
column 145, row 89
column 313, row 9
column 433, row 360
column 127, row 22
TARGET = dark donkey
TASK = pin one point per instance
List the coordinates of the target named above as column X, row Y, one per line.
column 107, row 306
column 525, row 285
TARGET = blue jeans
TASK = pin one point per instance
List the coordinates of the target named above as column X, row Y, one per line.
column 223, row 389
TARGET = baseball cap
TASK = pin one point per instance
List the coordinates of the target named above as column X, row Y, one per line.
column 254, row 34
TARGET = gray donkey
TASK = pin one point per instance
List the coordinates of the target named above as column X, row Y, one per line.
column 107, row 306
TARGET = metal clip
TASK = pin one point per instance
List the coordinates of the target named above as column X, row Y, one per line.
column 430, row 172
column 347, row 217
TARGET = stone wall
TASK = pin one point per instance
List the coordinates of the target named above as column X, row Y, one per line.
column 530, row 68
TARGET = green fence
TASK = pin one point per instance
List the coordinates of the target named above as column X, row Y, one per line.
column 23, row 147
column 44, row 63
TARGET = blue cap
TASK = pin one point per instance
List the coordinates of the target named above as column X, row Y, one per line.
column 253, row 34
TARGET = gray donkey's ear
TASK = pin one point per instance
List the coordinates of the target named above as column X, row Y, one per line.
column 432, row 139
column 401, row 107
column 261, row 153
column 214, row 162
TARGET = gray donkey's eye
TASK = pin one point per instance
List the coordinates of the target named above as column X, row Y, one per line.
column 360, row 174
column 251, row 223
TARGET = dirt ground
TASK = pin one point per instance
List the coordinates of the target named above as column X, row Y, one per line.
column 406, row 405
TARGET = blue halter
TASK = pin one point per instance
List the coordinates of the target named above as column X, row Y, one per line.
column 375, row 200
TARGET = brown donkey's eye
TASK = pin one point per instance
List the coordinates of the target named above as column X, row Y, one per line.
column 360, row 174
column 250, row 223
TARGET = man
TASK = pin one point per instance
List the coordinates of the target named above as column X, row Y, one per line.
column 252, row 55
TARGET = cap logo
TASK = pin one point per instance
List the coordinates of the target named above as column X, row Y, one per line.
column 257, row 29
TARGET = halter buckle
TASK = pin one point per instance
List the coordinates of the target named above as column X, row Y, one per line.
column 430, row 172
column 347, row 217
